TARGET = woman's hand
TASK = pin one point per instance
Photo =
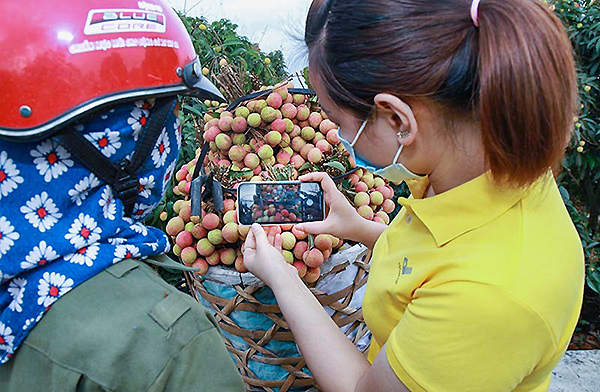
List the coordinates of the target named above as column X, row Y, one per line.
column 263, row 257
column 342, row 217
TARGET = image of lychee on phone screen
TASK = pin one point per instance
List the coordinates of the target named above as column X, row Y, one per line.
column 277, row 203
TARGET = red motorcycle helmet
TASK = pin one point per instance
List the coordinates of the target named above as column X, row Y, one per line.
column 63, row 59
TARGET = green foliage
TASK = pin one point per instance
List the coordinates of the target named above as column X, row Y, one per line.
column 580, row 179
column 220, row 40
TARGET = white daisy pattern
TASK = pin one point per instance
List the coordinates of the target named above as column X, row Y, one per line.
column 107, row 202
column 8, row 235
column 124, row 252
column 161, row 150
column 84, row 256
column 146, row 186
column 9, row 175
column 51, row 287
column 41, row 212
column 4, row 277
column 83, row 231
column 16, row 289
column 51, row 159
column 117, row 241
column 83, row 188
column 40, row 255
column 138, row 120
column 108, row 142
column 140, row 228
column 141, row 211
column 178, row 131
column 32, row 321
column 6, row 338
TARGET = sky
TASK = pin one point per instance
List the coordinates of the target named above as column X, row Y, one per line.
column 273, row 24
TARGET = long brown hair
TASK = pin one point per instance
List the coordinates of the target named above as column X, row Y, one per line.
column 515, row 73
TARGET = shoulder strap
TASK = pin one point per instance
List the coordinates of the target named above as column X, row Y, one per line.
column 120, row 176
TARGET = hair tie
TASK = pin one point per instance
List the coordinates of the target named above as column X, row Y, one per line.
column 475, row 12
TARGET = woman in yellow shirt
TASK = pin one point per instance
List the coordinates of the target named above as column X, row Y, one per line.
column 477, row 284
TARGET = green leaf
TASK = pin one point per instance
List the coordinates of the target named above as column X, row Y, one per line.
column 306, row 166
column 193, row 110
column 336, row 165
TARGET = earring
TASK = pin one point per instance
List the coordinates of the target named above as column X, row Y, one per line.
column 404, row 134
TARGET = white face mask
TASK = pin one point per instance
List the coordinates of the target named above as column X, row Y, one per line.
column 396, row 172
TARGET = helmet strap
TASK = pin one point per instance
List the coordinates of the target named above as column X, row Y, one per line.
column 120, row 176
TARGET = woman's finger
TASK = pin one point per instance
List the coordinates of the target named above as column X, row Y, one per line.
column 250, row 242
column 279, row 243
column 326, row 181
column 259, row 235
column 271, row 235
column 313, row 227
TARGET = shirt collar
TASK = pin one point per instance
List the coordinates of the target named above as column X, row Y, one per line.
column 462, row 209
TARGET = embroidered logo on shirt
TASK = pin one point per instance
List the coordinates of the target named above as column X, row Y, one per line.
column 403, row 269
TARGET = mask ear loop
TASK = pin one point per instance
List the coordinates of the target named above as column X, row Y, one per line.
column 397, row 158
column 360, row 131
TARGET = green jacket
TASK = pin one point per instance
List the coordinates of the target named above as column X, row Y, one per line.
column 125, row 329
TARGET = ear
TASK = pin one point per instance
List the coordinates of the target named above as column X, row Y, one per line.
column 398, row 115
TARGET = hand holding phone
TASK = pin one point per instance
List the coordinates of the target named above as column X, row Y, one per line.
column 277, row 203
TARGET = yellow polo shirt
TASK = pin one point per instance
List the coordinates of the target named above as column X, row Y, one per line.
column 476, row 289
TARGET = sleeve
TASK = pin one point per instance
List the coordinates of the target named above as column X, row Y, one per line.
column 465, row 336
column 202, row 365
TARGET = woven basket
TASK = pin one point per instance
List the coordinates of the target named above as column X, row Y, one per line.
column 274, row 347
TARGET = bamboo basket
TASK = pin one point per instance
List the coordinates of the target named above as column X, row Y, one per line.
column 258, row 337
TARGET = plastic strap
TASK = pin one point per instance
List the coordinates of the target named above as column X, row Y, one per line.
column 86, row 153
column 150, row 135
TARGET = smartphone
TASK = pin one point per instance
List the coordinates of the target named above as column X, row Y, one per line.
column 280, row 203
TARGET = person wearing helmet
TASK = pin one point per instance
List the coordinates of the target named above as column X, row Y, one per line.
column 89, row 138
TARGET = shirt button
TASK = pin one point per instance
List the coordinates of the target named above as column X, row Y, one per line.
column 408, row 219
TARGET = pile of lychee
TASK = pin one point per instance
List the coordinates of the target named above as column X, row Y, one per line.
column 281, row 130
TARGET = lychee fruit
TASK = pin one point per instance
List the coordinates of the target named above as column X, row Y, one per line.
column 184, row 239
column 251, row 161
column 230, row 232
column 211, row 221
column 188, row 255
column 205, row 247
column 366, row 212
column 323, row 242
column 312, row 275
column 265, row 152
column 239, row 125
column 237, row 153
column 175, row 226
column 254, row 120
column 227, row 256
column 301, row 267
column 273, row 138
column 313, row 258
column 202, row 266
column 242, row 112
column 274, row 100
column 303, row 113
column 225, row 123
column 315, row 119
column 268, row 114
column 215, row 237
column 315, row 156
column 211, row 134
column 376, row 198
column 289, row 240
column 223, row 142
column 308, row 133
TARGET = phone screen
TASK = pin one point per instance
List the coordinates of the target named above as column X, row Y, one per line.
column 271, row 203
